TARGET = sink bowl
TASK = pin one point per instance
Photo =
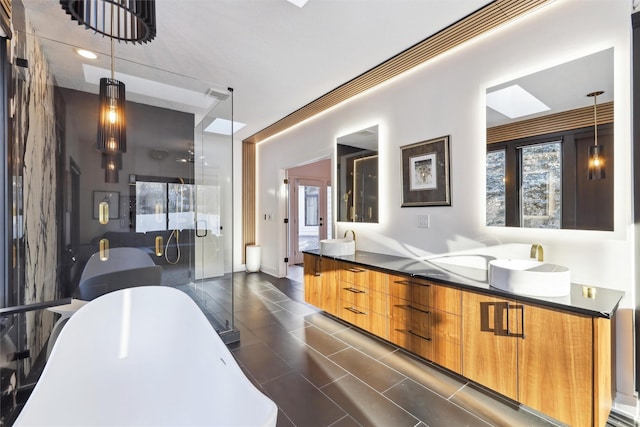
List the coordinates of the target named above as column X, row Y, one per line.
column 337, row 247
column 530, row 277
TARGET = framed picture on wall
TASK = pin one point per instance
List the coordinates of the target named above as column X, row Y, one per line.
column 112, row 198
column 425, row 173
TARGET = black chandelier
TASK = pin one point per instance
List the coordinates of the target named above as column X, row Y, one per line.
column 124, row 20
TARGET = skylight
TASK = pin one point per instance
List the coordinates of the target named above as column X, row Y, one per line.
column 298, row 3
column 151, row 88
column 223, row 126
column 513, row 102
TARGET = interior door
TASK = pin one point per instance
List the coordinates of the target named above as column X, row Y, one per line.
column 308, row 216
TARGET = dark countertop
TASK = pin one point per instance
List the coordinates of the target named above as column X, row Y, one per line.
column 601, row 302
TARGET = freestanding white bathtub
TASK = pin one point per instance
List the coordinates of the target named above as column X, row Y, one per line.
column 144, row 356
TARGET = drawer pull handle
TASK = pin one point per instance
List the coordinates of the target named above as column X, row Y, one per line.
column 355, row 290
column 418, row 335
column 409, row 282
column 409, row 306
column 356, row 270
column 353, row 310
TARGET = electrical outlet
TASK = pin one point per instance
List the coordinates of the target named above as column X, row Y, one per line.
column 424, row 221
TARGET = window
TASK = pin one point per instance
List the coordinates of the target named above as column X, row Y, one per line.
column 311, row 206
column 164, row 206
column 524, row 185
column 496, row 175
column 541, row 185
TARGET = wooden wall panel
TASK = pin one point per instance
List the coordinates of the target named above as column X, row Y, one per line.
column 248, row 195
column 573, row 119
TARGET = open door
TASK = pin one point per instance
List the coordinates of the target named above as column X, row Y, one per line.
column 309, row 219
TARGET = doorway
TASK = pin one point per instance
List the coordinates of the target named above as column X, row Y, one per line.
column 309, row 208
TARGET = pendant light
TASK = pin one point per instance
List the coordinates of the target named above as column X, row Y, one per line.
column 112, row 133
column 135, row 19
column 596, row 159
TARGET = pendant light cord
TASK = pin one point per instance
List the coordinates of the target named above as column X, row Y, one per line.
column 112, row 58
column 595, row 118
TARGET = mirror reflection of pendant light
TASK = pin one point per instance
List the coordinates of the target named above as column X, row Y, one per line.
column 111, row 163
column 596, row 159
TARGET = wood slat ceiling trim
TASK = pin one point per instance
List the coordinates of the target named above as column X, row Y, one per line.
column 573, row 119
column 485, row 19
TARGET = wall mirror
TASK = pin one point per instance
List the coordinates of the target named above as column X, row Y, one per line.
column 541, row 132
column 357, row 171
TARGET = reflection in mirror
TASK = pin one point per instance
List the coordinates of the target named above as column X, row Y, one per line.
column 357, row 165
column 540, row 130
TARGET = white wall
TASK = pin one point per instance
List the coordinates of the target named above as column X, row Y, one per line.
column 446, row 97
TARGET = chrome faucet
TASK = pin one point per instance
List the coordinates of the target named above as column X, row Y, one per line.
column 537, row 252
column 352, row 232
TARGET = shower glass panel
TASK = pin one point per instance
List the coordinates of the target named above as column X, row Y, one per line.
column 213, row 276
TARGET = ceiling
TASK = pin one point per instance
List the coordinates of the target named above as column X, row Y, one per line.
column 276, row 56
column 564, row 87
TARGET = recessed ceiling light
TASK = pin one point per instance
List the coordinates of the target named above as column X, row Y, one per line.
column 86, row 54
column 298, row 3
column 223, row 126
column 514, row 101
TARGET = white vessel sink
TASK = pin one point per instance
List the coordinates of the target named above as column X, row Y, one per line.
column 337, row 247
column 530, row 277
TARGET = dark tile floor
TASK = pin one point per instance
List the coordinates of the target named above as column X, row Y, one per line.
column 322, row 372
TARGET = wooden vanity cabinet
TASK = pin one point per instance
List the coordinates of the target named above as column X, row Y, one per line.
column 555, row 361
column 550, row 360
column 321, row 283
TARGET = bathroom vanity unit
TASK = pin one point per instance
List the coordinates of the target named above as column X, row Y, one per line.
column 553, row 355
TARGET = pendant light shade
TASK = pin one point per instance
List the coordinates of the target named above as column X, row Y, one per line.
column 124, row 20
column 111, row 163
column 596, row 159
column 596, row 162
column 112, row 134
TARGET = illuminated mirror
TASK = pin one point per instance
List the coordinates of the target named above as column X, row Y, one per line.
column 357, row 169
column 540, row 129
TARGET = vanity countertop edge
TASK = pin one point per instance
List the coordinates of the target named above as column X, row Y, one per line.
column 600, row 302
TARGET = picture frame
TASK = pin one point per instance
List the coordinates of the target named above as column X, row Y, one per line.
column 111, row 197
column 426, row 173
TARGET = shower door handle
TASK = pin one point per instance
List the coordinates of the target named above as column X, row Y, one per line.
column 198, row 228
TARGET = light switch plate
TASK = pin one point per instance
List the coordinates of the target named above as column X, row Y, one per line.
column 424, row 221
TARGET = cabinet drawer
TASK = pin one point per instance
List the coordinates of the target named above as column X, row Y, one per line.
column 413, row 316
column 363, row 278
column 430, row 346
column 372, row 322
column 426, row 321
column 424, row 292
column 365, row 298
